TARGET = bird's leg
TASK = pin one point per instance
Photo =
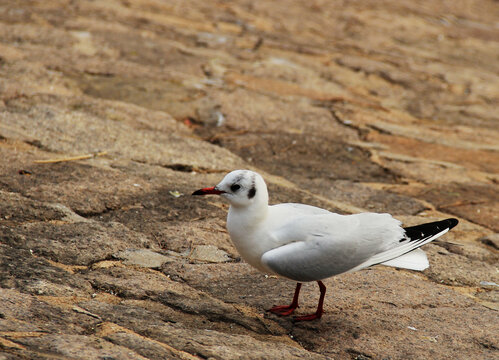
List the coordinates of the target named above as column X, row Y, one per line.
column 320, row 310
column 285, row 310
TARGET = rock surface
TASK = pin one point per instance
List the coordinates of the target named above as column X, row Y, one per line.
column 142, row 257
column 352, row 106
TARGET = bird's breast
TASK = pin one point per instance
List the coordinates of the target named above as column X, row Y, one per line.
column 251, row 242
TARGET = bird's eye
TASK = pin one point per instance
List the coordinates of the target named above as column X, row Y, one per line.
column 235, row 187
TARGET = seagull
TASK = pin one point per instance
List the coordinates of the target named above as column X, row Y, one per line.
column 306, row 243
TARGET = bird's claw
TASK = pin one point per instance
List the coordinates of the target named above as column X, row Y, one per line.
column 314, row 316
column 283, row 310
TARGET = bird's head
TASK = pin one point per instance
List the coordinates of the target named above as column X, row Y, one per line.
column 241, row 188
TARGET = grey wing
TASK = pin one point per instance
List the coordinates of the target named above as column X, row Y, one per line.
column 301, row 209
column 325, row 245
column 298, row 261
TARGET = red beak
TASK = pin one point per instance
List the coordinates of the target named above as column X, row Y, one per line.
column 207, row 191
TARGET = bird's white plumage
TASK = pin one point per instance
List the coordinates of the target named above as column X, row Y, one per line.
column 414, row 260
column 390, row 256
column 320, row 246
column 306, row 243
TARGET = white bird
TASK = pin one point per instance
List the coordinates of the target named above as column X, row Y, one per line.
column 307, row 243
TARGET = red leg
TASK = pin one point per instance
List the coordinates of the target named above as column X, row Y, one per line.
column 285, row 310
column 320, row 310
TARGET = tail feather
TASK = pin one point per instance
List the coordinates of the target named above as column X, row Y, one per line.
column 414, row 260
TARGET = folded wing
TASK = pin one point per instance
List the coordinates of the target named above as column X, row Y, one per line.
column 320, row 246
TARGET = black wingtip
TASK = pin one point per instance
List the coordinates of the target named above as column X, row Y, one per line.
column 418, row 232
column 452, row 222
column 198, row 192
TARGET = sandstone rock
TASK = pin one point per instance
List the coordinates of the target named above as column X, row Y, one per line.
column 142, row 257
column 74, row 243
column 199, row 342
column 491, row 240
column 208, row 253
column 35, row 275
column 360, row 107
column 79, row 347
column 26, row 313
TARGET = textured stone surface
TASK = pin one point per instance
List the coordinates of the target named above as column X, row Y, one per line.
column 208, row 253
column 142, row 258
column 384, row 106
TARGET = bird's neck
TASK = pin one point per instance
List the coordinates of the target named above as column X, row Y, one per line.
column 253, row 213
column 243, row 225
column 242, row 220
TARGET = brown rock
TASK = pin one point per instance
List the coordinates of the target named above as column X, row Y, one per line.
column 358, row 106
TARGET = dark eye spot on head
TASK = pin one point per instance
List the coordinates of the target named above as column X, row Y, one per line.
column 235, row 187
column 251, row 193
